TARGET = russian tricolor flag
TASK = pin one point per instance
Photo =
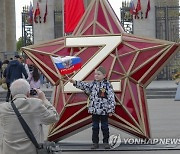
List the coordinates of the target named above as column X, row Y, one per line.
column 68, row 64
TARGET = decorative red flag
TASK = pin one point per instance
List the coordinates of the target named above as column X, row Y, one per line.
column 148, row 9
column 132, row 8
column 37, row 14
column 73, row 11
column 138, row 6
column 46, row 12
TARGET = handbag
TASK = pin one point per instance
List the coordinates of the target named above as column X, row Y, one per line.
column 177, row 81
column 43, row 148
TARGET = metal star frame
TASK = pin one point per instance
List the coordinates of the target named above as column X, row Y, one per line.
column 132, row 63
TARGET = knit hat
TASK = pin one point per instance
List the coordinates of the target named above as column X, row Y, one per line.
column 101, row 69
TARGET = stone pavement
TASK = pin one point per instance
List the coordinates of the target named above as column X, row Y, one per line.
column 162, row 84
column 155, row 90
column 43, row 88
column 153, row 85
column 164, row 119
column 47, row 88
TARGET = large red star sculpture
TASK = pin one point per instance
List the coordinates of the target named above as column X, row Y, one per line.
column 132, row 63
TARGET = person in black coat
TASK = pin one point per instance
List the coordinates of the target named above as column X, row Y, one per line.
column 14, row 71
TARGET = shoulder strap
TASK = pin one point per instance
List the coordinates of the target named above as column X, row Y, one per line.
column 25, row 126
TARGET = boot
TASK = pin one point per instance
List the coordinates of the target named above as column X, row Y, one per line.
column 95, row 146
column 106, row 146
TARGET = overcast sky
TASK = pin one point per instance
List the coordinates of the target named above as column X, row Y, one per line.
column 20, row 3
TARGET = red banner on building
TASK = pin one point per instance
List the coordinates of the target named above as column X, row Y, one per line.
column 37, row 14
column 148, row 9
column 46, row 12
column 73, row 11
column 138, row 6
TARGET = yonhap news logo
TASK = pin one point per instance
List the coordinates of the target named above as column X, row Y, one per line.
column 115, row 141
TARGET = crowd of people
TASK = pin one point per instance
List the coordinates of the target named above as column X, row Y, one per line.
column 16, row 68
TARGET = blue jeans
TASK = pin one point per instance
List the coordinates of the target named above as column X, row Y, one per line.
column 96, row 119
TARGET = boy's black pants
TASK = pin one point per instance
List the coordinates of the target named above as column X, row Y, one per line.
column 96, row 119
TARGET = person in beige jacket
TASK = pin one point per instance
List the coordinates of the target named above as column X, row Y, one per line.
column 35, row 110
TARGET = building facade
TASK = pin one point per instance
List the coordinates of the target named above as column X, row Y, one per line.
column 147, row 27
column 7, row 28
column 46, row 31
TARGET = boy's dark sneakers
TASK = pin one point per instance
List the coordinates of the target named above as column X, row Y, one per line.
column 106, row 146
column 95, row 146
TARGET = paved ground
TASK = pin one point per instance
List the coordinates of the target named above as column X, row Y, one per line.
column 153, row 84
column 164, row 119
column 43, row 87
column 164, row 116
